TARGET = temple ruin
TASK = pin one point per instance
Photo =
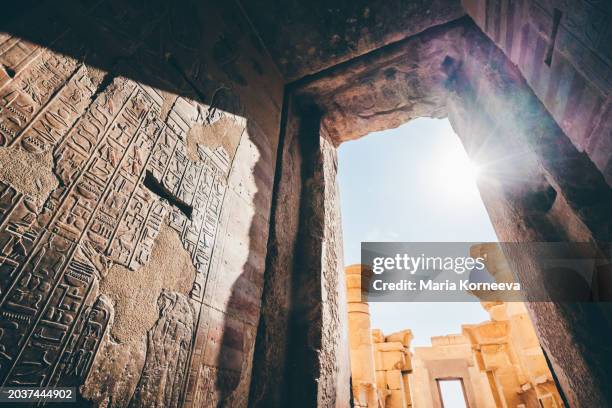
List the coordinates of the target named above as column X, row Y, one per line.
column 499, row 362
column 169, row 221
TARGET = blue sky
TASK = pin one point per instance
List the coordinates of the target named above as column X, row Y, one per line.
column 414, row 183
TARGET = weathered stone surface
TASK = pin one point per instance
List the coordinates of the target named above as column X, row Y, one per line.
column 135, row 293
column 570, row 73
column 85, row 342
column 334, row 364
column 223, row 133
column 29, row 173
column 142, row 177
column 307, row 37
column 82, row 217
column 309, row 321
column 115, row 373
column 179, row 123
column 168, row 348
column 523, row 211
column 306, row 324
column 271, row 350
column 388, row 88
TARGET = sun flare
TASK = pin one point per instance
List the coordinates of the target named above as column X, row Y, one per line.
column 456, row 173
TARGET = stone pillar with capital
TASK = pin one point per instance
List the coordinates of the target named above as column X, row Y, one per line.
column 363, row 371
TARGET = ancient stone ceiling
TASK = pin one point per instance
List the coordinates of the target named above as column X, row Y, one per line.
column 305, row 37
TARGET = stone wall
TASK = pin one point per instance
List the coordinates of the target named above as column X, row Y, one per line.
column 317, row 361
column 134, row 130
column 449, row 357
column 272, row 348
column 393, row 364
column 552, row 193
column 302, row 340
column 563, row 51
column 137, row 163
column 507, row 350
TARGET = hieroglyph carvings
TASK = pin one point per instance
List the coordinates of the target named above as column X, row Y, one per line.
column 168, row 347
column 53, row 254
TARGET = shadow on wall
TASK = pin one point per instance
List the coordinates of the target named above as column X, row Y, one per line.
column 176, row 47
column 234, row 357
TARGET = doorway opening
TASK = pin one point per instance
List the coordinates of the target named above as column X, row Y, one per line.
column 414, row 183
column 417, row 184
column 452, row 394
column 543, row 190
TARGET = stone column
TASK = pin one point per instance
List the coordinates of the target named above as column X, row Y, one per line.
column 360, row 340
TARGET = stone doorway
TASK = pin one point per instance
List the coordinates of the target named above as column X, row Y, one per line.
column 452, row 393
column 452, row 71
column 416, row 184
column 281, row 85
